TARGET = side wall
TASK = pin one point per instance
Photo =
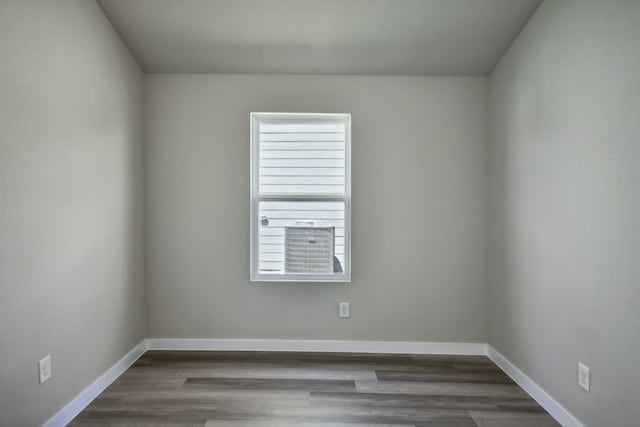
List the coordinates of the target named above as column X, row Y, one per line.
column 565, row 205
column 71, row 243
column 418, row 202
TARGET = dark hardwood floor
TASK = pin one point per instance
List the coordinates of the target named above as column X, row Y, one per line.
column 266, row 389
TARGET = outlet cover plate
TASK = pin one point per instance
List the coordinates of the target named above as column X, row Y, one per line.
column 583, row 376
column 343, row 309
column 44, row 368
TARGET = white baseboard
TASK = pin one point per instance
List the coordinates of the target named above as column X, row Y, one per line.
column 338, row 346
column 556, row 410
column 73, row 408
column 81, row 401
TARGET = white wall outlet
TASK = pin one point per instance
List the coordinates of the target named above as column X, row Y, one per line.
column 343, row 309
column 583, row 376
column 44, row 366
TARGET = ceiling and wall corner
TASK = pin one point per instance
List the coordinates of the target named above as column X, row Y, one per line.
column 298, row 39
column 373, row 37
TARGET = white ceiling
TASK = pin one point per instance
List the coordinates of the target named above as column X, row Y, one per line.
column 399, row 37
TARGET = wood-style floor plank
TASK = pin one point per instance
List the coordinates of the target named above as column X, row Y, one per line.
column 450, row 388
column 246, row 423
column 444, row 375
column 270, row 384
column 264, row 389
column 393, row 400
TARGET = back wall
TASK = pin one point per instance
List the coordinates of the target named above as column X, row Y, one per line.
column 417, row 209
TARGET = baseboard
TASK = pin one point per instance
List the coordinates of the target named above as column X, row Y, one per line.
column 545, row 400
column 73, row 408
column 338, row 346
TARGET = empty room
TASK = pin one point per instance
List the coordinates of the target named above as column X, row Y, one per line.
column 319, row 213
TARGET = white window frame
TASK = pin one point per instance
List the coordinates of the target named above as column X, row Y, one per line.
column 256, row 198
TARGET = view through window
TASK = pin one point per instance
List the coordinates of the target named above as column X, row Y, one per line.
column 300, row 197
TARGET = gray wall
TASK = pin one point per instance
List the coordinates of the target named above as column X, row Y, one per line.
column 565, row 205
column 564, row 174
column 418, row 202
column 71, row 243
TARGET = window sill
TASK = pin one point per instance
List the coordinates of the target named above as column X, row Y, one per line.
column 302, row 278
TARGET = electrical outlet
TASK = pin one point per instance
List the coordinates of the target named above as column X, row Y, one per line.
column 343, row 309
column 44, row 366
column 583, row 376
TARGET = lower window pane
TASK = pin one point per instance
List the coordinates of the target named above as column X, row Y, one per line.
column 301, row 237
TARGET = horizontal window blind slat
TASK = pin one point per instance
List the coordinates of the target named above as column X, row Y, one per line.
column 302, row 127
column 275, row 266
column 300, row 137
column 302, row 180
column 302, row 163
column 302, row 145
column 294, row 171
column 278, row 266
column 316, row 223
column 270, row 249
column 310, row 206
column 301, row 212
column 280, row 249
column 271, row 257
column 279, row 241
column 303, row 215
column 302, row 189
column 279, row 231
column 301, row 154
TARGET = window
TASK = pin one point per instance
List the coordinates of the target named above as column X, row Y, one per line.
column 300, row 197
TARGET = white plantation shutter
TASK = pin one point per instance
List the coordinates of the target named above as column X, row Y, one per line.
column 300, row 178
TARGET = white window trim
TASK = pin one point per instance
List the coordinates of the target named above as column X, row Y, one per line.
column 255, row 198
